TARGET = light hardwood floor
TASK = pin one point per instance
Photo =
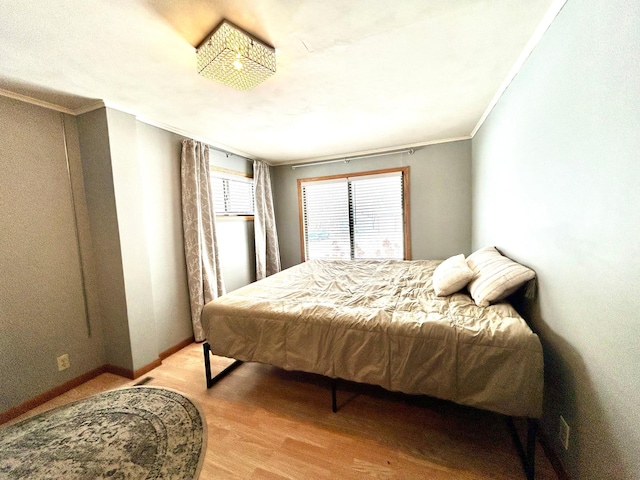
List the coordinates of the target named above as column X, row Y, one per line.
column 266, row 423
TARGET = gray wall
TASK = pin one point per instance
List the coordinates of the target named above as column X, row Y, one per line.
column 145, row 176
column 126, row 185
column 237, row 252
column 159, row 153
column 41, row 302
column 103, row 219
column 440, row 199
column 556, row 185
column 126, row 166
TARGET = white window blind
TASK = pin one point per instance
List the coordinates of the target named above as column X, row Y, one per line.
column 232, row 195
column 377, row 216
column 359, row 217
column 326, row 219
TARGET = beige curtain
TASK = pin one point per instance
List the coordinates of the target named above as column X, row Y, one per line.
column 267, row 249
column 198, row 222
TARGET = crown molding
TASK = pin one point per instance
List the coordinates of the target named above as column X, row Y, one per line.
column 52, row 106
column 35, row 101
column 184, row 133
column 89, row 108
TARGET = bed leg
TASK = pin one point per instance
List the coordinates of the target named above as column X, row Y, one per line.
column 334, row 401
column 207, row 363
column 211, row 381
column 528, row 456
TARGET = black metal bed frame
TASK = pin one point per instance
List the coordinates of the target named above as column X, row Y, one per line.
column 525, row 452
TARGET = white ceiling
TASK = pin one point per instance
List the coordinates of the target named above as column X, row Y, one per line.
column 352, row 76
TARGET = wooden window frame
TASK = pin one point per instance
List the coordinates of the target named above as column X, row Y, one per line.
column 405, row 203
column 227, row 171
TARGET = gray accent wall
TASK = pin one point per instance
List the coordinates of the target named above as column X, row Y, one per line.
column 126, row 166
column 159, row 153
column 100, row 196
column 556, row 185
column 42, row 312
column 440, row 198
column 236, row 247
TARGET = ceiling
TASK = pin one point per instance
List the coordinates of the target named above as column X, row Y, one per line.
column 352, row 76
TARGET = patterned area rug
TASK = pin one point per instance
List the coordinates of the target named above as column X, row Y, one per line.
column 131, row 433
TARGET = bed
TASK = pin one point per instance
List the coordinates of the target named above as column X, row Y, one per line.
column 381, row 323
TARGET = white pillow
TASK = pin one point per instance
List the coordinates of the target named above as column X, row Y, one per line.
column 451, row 275
column 495, row 276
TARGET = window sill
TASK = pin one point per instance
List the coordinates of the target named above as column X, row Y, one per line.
column 227, row 218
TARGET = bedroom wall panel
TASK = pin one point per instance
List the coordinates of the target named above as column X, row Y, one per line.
column 555, row 176
column 159, row 153
column 126, row 166
column 103, row 220
column 89, row 274
column 440, row 203
column 143, row 167
column 237, row 252
column 42, row 313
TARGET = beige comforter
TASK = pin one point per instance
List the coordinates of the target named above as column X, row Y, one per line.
column 379, row 322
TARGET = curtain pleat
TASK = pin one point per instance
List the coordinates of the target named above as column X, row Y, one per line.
column 200, row 241
column 264, row 224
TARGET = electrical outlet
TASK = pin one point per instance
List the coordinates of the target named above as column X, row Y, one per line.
column 564, row 433
column 63, row 362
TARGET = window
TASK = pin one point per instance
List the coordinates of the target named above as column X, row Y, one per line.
column 355, row 216
column 233, row 193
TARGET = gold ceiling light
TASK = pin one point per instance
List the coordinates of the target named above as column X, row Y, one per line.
column 235, row 58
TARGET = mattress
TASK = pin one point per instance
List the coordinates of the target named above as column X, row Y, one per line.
column 380, row 323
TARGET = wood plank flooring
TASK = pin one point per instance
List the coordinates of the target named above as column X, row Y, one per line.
column 266, row 423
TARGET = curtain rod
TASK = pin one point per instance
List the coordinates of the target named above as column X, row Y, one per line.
column 229, row 154
column 410, row 151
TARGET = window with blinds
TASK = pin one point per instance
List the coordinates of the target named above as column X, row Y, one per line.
column 233, row 195
column 359, row 216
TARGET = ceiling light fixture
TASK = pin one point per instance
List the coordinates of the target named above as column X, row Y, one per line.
column 235, row 58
